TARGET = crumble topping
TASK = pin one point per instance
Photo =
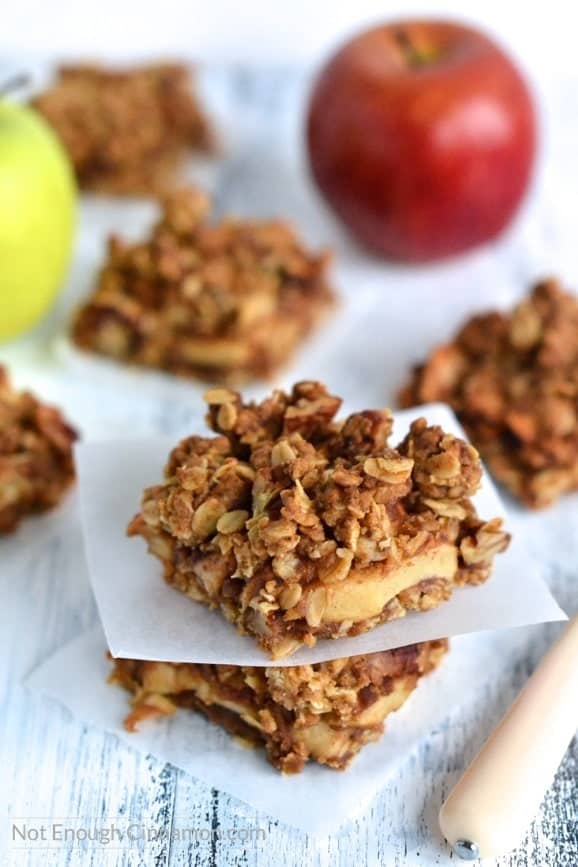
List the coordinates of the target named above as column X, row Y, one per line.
column 512, row 379
column 36, row 465
column 224, row 302
column 298, row 526
column 324, row 712
column 126, row 131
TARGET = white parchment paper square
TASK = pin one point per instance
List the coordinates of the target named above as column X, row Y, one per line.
column 143, row 618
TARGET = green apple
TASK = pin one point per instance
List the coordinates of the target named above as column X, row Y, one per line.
column 37, row 217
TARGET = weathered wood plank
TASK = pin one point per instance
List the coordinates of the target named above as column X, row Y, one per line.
column 53, row 768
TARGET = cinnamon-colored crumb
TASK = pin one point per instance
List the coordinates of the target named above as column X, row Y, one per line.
column 36, row 465
column 224, row 302
column 127, row 131
column 512, row 379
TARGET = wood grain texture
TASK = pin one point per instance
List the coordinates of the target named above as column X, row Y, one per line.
column 51, row 766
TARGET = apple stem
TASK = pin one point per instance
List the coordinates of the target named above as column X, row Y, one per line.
column 413, row 56
column 17, row 82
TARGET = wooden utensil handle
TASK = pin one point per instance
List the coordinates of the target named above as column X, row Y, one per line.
column 491, row 807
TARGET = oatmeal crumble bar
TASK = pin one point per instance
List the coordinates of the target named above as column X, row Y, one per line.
column 225, row 302
column 300, row 527
column 36, row 465
column 325, row 712
column 127, row 131
column 512, row 379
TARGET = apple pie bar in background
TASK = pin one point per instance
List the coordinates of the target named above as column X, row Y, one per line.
column 324, row 713
column 222, row 301
column 512, row 379
column 36, row 464
column 298, row 527
column 127, row 131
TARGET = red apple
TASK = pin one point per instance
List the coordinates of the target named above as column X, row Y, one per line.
column 422, row 136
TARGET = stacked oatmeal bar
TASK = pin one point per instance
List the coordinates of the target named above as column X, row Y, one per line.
column 512, row 379
column 126, row 131
column 224, row 302
column 324, row 713
column 36, row 464
column 298, row 526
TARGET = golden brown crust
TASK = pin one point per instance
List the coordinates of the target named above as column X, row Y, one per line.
column 324, row 712
column 512, row 379
column 36, row 465
column 126, row 131
column 298, row 526
column 223, row 302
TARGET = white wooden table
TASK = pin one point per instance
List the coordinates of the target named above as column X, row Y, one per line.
column 51, row 766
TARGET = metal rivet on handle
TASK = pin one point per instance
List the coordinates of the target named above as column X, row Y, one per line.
column 467, row 850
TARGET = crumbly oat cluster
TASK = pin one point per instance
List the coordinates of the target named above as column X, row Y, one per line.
column 325, row 712
column 127, row 131
column 36, row 465
column 512, row 379
column 298, row 526
column 224, row 302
